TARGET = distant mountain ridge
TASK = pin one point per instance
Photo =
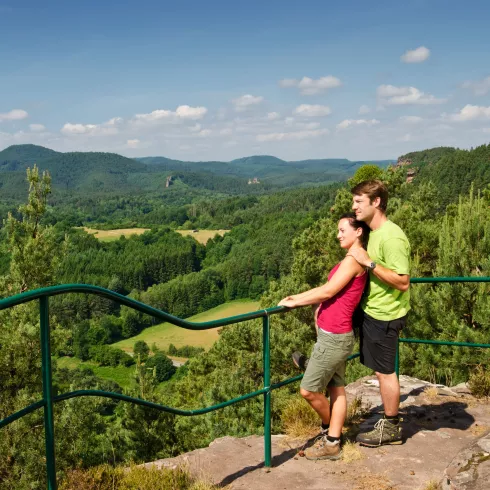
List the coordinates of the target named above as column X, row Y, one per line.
column 98, row 172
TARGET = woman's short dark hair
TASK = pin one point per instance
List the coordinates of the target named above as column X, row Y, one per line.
column 355, row 223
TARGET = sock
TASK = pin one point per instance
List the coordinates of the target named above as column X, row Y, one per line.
column 333, row 439
column 325, row 427
column 395, row 419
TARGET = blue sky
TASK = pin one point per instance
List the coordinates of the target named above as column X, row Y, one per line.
column 220, row 80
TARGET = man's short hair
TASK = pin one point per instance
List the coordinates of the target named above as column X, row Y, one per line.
column 373, row 189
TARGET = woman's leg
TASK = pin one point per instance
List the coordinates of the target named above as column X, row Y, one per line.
column 338, row 410
column 319, row 403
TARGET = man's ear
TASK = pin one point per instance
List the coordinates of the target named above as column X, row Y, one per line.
column 376, row 202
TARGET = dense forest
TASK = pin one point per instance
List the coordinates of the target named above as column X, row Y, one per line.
column 280, row 241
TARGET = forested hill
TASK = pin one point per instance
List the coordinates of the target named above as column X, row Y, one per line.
column 97, row 173
column 271, row 169
column 453, row 171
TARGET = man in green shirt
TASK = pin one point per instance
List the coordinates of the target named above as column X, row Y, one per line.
column 386, row 304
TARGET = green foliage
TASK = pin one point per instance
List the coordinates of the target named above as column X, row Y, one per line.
column 454, row 312
column 366, row 172
column 141, row 350
column 33, row 248
column 163, row 368
column 479, row 382
column 106, row 477
column 184, row 351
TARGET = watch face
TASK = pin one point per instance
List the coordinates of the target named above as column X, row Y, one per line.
column 373, row 265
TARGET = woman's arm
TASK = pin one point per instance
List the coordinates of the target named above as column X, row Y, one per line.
column 348, row 269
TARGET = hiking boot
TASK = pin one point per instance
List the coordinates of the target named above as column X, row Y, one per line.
column 300, row 360
column 324, row 449
column 384, row 432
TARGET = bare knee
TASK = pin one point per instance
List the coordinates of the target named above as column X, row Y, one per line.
column 307, row 395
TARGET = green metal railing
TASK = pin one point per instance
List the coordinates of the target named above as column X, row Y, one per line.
column 48, row 399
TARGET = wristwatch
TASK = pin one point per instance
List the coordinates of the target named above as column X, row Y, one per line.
column 372, row 265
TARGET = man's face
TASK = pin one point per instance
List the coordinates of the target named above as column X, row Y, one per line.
column 363, row 207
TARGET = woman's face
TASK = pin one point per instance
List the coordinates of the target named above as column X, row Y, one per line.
column 347, row 235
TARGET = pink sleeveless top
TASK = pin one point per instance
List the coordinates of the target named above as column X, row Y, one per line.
column 335, row 314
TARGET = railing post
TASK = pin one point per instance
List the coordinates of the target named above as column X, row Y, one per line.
column 47, row 393
column 397, row 359
column 267, row 394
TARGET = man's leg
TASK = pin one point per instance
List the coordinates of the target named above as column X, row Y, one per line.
column 389, row 387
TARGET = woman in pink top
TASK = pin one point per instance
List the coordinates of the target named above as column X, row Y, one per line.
column 338, row 300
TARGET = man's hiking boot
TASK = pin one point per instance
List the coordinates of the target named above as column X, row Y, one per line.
column 323, row 449
column 384, row 432
column 300, row 360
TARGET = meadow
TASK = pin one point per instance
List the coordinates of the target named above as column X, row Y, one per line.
column 164, row 334
column 110, row 235
column 202, row 236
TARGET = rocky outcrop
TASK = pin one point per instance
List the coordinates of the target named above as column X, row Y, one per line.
column 447, row 442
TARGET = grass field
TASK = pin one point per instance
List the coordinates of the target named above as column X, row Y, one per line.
column 165, row 334
column 122, row 375
column 110, row 235
column 202, row 236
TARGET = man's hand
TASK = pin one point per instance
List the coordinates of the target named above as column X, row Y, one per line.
column 361, row 256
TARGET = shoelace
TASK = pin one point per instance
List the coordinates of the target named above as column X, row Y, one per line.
column 320, row 440
column 380, row 425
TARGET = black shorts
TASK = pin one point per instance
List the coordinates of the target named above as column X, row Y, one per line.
column 378, row 342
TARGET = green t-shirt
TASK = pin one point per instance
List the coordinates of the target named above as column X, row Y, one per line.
column 389, row 247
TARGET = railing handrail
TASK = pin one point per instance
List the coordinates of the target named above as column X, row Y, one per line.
column 48, row 399
column 135, row 304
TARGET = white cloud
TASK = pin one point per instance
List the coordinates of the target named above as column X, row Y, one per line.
column 246, row 102
column 416, row 55
column 272, row 116
column 309, row 86
column 154, row 116
column 105, row 129
column 37, row 127
column 292, row 136
column 486, row 130
column 13, row 115
column 133, row 143
column 196, row 127
column 391, row 95
column 405, row 138
column 348, row 123
column 312, row 110
column 364, row 109
column 411, row 119
column 70, row 128
column 471, row 112
column 481, row 87
column 226, row 131
column 187, row 112
column 182, row 112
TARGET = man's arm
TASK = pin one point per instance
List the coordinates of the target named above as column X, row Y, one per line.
column 388, row 276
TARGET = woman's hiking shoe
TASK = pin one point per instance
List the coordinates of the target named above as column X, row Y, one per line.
column 384, row 432
column 324, row 449
column 300, row 360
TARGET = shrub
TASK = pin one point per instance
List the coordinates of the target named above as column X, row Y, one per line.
column 299, row 419
column 479, row 382
column 141, row 349
column 106, row 477
column 163, row 366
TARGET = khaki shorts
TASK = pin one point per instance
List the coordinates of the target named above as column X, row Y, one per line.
column 326, row 366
